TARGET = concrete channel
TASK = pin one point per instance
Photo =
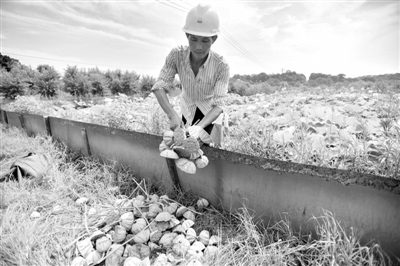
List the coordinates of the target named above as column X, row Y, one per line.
column 272, row 190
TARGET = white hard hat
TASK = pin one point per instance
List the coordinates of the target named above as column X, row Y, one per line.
column 202, row 20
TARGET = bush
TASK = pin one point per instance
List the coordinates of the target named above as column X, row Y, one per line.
column 47, row 81
column 238, row 87
column 146, row 83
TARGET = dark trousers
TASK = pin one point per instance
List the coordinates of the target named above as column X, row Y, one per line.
column 198, row 115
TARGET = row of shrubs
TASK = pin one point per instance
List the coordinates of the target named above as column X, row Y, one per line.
column 18, row 79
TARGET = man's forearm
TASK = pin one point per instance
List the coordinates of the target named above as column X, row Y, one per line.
column 163, row 100
column 210, row 117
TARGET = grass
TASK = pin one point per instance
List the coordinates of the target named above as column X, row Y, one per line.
column 50, row 239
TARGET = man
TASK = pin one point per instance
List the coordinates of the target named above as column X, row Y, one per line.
column 204, row 76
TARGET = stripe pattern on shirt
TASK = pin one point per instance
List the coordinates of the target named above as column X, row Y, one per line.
column 205, row 91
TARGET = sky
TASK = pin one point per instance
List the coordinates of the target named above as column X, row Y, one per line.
column 355, row 38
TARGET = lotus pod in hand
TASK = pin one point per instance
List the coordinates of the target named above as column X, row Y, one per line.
column 162, row 147
column 180, row 245
column 201, row 162
column 170, row 154
column 191, row 144
column 179, row 135
column 168, row 137
column 186, row 166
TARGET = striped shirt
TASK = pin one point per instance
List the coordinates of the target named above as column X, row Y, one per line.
column 205, row 91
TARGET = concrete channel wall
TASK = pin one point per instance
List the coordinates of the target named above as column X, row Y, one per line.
column 273, row 190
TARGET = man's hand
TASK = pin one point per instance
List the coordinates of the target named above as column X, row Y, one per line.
column 194, row 131
column 175, row 121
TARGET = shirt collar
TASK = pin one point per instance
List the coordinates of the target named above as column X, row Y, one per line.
column 205, row 63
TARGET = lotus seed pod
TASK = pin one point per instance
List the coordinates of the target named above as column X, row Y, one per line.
column 127, row 250
column 161, row 260
column 102, row 244
column 195, row 155
column 154, row 198
column 182, row 153
column 82, row 201
column 194, row 253
column 119, row 234
column 210, row 251
column 85, row 247
column 191, row 235
column 204, row 237
column 180, row 211
column 35, row 215
column 153, row 246
column 166, row 240
column 162, row 147
column 78, row 261
column 198, row 245
column 116, row 249
column 138, row 225
column 191, row 144
column 96, row 235
column 173, row 222
column 171, row 208
column 113, row 259
column 170, row 154
column 142, row 237
column 93, row 257
column 133, row 261
column 180, row 245
column 214, row 240
column 168, row 137
column 201, row 162
column 178, row 229
column 141, row 197
column 187, row 224
column 123, row 203
column 137, row 202
column 140, row 251
column 155, row 236
column 162, row 226
column 189, row 215
column 202, row 203
column 186, row 165
column 194, row 262
column 154, row 209
column 179, row 135
column 163, row 217
column 126, row 220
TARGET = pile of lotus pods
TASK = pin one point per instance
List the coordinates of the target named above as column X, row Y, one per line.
column 185, row 149
column 144, row 231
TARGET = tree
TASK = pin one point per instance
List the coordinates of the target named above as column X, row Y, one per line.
column 127, row 83
column 99, row 82
column 76, row 82
column 8, row 63
column 47, row 81
column 17, row 81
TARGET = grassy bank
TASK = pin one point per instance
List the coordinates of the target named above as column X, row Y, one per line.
column 50, row 239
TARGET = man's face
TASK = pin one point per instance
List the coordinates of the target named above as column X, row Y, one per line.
column 200, row 46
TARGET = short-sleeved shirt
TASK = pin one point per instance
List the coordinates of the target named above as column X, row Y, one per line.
column 204, row 91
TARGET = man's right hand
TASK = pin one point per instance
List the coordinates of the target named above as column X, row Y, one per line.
column 175, row 121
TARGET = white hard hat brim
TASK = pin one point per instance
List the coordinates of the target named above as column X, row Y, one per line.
column 198, row 33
